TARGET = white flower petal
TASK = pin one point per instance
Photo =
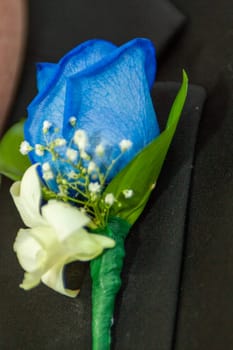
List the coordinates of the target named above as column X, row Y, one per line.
column 30, row 253
column 54, row 279
column 84, row 246
column 104, row 241
column 64, row 218
column 27, row 197
column 79, row 246
column 30, row 281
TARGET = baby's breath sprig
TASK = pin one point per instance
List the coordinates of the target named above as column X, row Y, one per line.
column 84, row 184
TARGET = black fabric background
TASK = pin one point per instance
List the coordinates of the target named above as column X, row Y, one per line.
column 205, row 47
column 188, row 221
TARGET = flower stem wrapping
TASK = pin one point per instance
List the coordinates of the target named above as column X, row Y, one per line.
column 105, row 273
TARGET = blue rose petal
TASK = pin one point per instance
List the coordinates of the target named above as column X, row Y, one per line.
column 112, row 102
column 44, row 73
column 49, row 104
column 107, row 89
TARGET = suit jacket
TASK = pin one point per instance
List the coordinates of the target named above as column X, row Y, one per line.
column 177, row 272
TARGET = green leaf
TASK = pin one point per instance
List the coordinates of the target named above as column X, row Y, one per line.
column 12, row 163
column 142, row 172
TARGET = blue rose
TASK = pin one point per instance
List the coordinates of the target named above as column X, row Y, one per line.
column 98, row 94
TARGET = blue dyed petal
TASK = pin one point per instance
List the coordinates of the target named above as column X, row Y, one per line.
column 107, row 89
column 49, row 104
column 44, row 73
column 111, row 100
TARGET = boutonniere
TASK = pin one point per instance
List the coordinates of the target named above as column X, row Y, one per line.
column 91, row 153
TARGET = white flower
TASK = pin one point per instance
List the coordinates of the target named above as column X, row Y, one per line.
column 72, row 174
column 109, row 199
column 39, row 150
column 72, row 121
column 47, row 172
column 125, row 145
column 99, row 150
column 46, row 166
column 80, row 139
column 72, row 154
column 59, row 142
column 91, row 167
column 56, row 236
column 94, row 187
column 84, row 155
column 46, row 126
column 128, row 193
column 25, row 148
column 62, row 190
column 48, row 175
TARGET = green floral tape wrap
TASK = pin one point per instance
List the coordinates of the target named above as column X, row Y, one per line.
column 105, row 273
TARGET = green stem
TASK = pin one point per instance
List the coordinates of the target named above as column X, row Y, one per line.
column 106, row 282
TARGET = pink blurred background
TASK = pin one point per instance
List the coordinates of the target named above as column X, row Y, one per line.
column 12, row 41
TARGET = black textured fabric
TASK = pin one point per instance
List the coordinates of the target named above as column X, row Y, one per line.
column 205, row 49
column 57, row 25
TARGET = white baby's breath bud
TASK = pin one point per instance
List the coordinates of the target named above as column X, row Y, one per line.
column 84, row 155
column 91, row 167
column 72, row 121
column 25, row 148
column 48, row 175
column 109, row 199
column 125, row 145
column 153, row 186
column 99, row 150
column 72, row 174
column 94, row 187
column 80, row 139
column 59, row 142
column 71, row 154
column 128, row 193
column 39, row 150
column 46, row 126
column 62, row 190
column 46, row 166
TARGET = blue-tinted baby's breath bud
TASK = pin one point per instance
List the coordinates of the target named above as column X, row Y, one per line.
column 46, row 167
column 91, row 167
column 72, row 174
column 59, row 142
column 47, row 172
column 46, row 126
column 73, row 121
column 48, row 175
column 80, row 139
column 39, row 150
column 84, row 155
column 125, row 145
column 99, row 150
column 72, row 154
